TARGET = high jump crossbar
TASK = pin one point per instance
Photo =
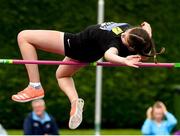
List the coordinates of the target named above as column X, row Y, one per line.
column 105, row 64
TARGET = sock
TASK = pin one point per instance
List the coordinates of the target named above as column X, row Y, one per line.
column 36, row 85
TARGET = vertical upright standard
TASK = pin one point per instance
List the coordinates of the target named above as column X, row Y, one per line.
column 99, row 77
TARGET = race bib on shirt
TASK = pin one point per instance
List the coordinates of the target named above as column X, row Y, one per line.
column 114, row 27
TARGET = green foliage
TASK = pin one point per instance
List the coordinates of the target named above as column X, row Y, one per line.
column 127, row 92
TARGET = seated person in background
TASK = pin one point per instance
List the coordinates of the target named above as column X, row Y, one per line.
column 159, row 121
column 39, row 122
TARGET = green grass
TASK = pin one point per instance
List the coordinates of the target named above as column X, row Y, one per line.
column 88, row 132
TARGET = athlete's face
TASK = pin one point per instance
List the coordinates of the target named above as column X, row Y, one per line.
column 124, row 38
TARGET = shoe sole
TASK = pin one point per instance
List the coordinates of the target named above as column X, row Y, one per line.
column 23, row 101
column 76, row 119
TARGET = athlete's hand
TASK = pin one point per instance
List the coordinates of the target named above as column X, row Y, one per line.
column 144, row 58
column 132, row 60
column 146, row 26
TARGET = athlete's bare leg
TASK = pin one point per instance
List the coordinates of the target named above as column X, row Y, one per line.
column 50, row 41
column 30, row 40
column 64, row 76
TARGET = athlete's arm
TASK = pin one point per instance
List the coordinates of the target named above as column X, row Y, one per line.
column 111, row 55
column 144, row 58
column 146, row 26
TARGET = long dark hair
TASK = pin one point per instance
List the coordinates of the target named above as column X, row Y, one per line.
column 142, row 43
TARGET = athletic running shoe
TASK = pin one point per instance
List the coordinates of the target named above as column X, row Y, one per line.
column 28, row 94
column 76, row 113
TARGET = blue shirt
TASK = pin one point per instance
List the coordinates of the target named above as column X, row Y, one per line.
column 45, row 118
column 150, row 127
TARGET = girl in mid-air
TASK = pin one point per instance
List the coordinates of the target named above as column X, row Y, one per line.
column 116, row 42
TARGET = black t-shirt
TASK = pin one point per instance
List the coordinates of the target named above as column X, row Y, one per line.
column 91, row 44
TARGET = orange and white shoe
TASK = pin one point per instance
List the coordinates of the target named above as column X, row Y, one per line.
column 28, row 94
column 76, row 113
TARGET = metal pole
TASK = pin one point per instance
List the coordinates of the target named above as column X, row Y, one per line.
column 99, row 77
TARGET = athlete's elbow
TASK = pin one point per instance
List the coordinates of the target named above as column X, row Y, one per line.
column 107, row 56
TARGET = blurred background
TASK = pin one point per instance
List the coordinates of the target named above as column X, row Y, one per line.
column 127, row 92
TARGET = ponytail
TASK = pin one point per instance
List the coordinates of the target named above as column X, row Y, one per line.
column 153, row 53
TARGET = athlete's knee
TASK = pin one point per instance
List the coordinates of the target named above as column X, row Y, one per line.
column 22, row 36
column 61, row 74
